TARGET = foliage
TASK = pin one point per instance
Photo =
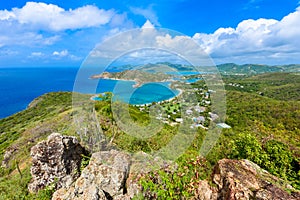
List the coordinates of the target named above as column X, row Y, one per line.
column 178, row 184
column 46, row 114
column 246, row 146
column 280, row 86
column 15, row 187
column 250, row 69
column 84, row 161
column 274, row 156
column 264, row 116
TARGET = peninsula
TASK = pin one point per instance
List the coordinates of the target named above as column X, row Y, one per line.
column 140, row 77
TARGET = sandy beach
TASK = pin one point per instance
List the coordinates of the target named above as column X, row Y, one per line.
column 163, row 101
column 148, row 104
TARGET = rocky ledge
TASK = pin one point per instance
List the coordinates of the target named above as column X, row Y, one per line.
column 112, row 175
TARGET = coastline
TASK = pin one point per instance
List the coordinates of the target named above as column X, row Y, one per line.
column 147, row 104
column 163, row 101
column 137, row 83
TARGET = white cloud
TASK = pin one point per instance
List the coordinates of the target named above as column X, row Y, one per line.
column 6, row 15
column 260, row 39
column 149, row 45
column 62, row 53
column 11, row 35
column 52, row 17
column 148, row 24
column 148, row 13
column 65, row 54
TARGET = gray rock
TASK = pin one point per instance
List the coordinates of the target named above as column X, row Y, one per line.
column 106, row 174
column 205, row 191
column 55, row 161
column 243, row 179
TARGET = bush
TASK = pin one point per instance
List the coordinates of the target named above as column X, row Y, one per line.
column 273, row 156
column 246, row 146
column 182, row 183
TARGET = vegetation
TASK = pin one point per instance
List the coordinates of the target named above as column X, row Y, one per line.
column 139, row 76
column 264, row 115
column 165, row 184
column 253, row 69
column 280, row 86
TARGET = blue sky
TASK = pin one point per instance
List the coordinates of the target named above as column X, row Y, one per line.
column 62, row 33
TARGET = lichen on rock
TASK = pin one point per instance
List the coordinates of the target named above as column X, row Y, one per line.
column 55, row 161
column 106, row 174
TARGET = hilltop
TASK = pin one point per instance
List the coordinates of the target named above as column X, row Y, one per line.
column 265, row 130
column 253, row 69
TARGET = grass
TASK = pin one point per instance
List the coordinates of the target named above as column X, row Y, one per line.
column 265, row 117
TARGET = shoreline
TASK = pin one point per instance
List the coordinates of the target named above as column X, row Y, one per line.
column 137, row 83
column 146, row 104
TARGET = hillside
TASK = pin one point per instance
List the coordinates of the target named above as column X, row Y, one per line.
column 280, row 86
column 265, row 129
column 224, row 69
column 252, row 69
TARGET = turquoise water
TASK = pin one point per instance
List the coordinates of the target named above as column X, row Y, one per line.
column 147, row 93
column 19, row 86
column 185, row 73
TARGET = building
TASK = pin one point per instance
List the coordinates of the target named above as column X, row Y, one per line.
column 223, row 125
column 180, row 120
column 189, row 112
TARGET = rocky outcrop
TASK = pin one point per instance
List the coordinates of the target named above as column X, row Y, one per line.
column 104, row 178
column 114, row 175
column 55, row 161
column 242, row 180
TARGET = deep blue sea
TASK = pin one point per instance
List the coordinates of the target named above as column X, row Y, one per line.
column 19, row 86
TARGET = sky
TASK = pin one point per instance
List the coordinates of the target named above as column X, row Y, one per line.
column 62, row 33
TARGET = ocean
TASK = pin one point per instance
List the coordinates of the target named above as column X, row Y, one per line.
column 19, row 86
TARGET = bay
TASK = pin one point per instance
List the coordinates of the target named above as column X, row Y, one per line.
column 19, row 86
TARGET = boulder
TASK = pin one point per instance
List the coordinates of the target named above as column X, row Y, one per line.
column 243, row 179
column 104, row 178
column 205, row 191
column 55, row 161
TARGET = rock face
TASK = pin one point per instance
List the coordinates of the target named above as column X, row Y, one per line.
column 55, row 161
column 104, row 178
column 241, row 180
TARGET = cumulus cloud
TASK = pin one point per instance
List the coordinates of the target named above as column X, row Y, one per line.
column 52, row 17
column 37, row 26
column 149, row 45
column 257, row 39
column 44, row 24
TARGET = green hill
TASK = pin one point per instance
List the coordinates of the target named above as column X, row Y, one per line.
column 252, row 69
column 264, row 115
